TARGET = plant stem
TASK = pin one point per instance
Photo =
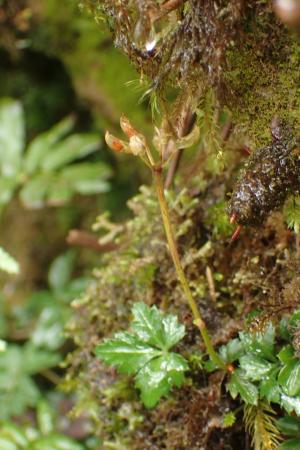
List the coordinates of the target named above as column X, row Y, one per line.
column 198, row 321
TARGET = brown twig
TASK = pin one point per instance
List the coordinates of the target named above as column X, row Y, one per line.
column 79, row 238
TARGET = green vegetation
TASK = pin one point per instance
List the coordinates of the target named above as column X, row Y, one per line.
column 131, row 315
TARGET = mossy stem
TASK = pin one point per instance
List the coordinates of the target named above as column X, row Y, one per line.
column 198, row 321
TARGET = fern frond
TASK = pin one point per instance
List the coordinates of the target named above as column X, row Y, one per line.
column 260, row 423
column 291, row 213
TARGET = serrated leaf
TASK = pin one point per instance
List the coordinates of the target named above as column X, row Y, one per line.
column 289, row 425
column 126, row 352
column 290, row 404
column 255, row 368
column 261, row 343
column 232, row 351
column 269, row 387
column 41, row 145
column 239, row 385
column 12, row 136
column 289, row 377
column 8, row 263
column 156, row 379
column 286, row 354
column 73, row 147
column 151, row 326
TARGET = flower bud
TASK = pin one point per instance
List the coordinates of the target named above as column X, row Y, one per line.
column 114, row 143
column 127, row 127
column 137, row 145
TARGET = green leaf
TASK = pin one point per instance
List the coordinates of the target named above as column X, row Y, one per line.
column 56, row 442
column 291, row 444
column 14, row 434
column 45, row 417
column 144, row 352
column 151, row 326
column 261, row 343
column 290, row 404
column 126, row 352
column 156, row 379
column 7, row 444
column 7, row 263
column 48, row 331
column 59, row 192
column 239, row 385
column 60, row 271
column 232, row 351
column 255, row 367
column 7, row 188
column 72, row 148
column 33, row 194
column 289, row 425
column 12, row 136
column 34, row 359
column 269, row 387
column 87, row 178
column 283, row 328
column 293, row 322
column 289, row 377
column 41, row 145
column 286, row 354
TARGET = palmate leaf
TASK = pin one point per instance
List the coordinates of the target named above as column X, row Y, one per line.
column 157, row 378
column 152, row 327
column 261, row 343
column 126, row 352
column 239, row 385
column 144, row 352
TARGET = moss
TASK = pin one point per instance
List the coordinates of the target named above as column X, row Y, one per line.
column 265, row 84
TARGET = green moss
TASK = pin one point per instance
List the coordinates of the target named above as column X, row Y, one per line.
column 265, row 83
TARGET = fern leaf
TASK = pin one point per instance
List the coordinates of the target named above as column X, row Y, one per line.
column 260, row 423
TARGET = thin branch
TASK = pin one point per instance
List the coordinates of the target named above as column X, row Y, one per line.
column 79, row 238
